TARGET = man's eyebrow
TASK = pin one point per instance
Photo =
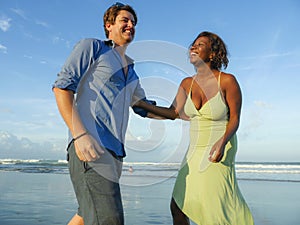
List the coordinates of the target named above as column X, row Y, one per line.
column 124, row 17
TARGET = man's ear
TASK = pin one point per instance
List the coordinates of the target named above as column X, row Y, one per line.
column 108, row 26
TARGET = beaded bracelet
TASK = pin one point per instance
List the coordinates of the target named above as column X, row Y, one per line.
column 81, row 135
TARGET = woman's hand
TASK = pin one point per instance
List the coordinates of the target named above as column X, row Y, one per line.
column 217, row 151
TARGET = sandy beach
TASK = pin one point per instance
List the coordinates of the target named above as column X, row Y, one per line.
column 43, row 199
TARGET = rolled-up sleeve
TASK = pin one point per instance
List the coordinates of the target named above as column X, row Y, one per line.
column 139, row 92
column 78, row 63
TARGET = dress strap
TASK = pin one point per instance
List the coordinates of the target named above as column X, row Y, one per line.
column 191, row 86
column 219, row 80
column 219, row 87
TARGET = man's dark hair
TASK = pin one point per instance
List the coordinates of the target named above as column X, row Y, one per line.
column 113, row 11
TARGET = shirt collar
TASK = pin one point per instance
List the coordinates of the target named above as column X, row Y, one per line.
column 109, row 43
column 112, row 44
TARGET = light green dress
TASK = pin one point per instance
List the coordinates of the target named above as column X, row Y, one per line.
column 207, row 192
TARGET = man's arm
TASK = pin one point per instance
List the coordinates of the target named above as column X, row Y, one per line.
column 86, row 146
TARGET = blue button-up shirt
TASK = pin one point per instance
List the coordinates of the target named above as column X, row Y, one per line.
column 94, row 72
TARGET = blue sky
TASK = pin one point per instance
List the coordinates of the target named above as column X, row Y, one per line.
column 262, row 37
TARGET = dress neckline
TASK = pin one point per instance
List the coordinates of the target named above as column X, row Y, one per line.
column 218, row 92
column 216, row 95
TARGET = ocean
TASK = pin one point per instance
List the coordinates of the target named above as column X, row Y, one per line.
column 39, row 192
column 264, row 171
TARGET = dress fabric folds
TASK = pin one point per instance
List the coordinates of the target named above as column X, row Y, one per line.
column 207, row 192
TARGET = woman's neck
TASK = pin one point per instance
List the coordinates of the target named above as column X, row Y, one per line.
column 204, row 71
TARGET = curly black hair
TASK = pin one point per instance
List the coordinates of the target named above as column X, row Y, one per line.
column 218, row 47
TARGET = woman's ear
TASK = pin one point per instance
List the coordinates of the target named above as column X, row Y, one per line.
column 212, row 56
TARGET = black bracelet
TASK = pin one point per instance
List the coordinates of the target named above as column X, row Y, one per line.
column 79, row 136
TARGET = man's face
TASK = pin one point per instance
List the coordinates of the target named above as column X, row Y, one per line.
column 122, row 32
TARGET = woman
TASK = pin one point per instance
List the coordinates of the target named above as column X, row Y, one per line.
column 206, row 190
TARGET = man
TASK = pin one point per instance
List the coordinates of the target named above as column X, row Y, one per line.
column 94, row 91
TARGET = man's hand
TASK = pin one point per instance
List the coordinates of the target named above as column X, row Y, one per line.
column 87, row 148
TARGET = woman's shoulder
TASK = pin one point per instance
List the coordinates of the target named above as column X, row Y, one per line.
column 227, row 78
column 225, row 75
column 186, row 82
column 228, row 81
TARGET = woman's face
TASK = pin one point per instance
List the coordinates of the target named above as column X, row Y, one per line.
column 200, row 51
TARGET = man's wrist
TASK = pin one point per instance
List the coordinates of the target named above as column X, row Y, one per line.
column 80, row 135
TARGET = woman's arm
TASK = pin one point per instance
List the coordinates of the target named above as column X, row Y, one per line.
column 233, row 98
column 173, row 112
column 158, row 112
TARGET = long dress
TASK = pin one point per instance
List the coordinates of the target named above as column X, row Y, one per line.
column 207, row 192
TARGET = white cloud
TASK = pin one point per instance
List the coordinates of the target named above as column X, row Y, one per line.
column 58, row 40
column 265, row 56
column 5, row 24
column 254, row 120
column 42, row 23
column 6, row 110
column 13, row 146
column 19, row 12
column 3, row 49
column 31, row 117
column 262, row 104
column 28, row 56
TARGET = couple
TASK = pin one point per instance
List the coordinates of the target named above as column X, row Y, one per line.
column 94, row 90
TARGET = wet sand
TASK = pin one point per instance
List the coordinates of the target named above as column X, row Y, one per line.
column 43, row 199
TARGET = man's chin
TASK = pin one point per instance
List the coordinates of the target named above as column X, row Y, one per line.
column 128, row 40
column 128, row 37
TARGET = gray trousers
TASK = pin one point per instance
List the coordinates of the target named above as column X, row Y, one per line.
column 97, row 189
